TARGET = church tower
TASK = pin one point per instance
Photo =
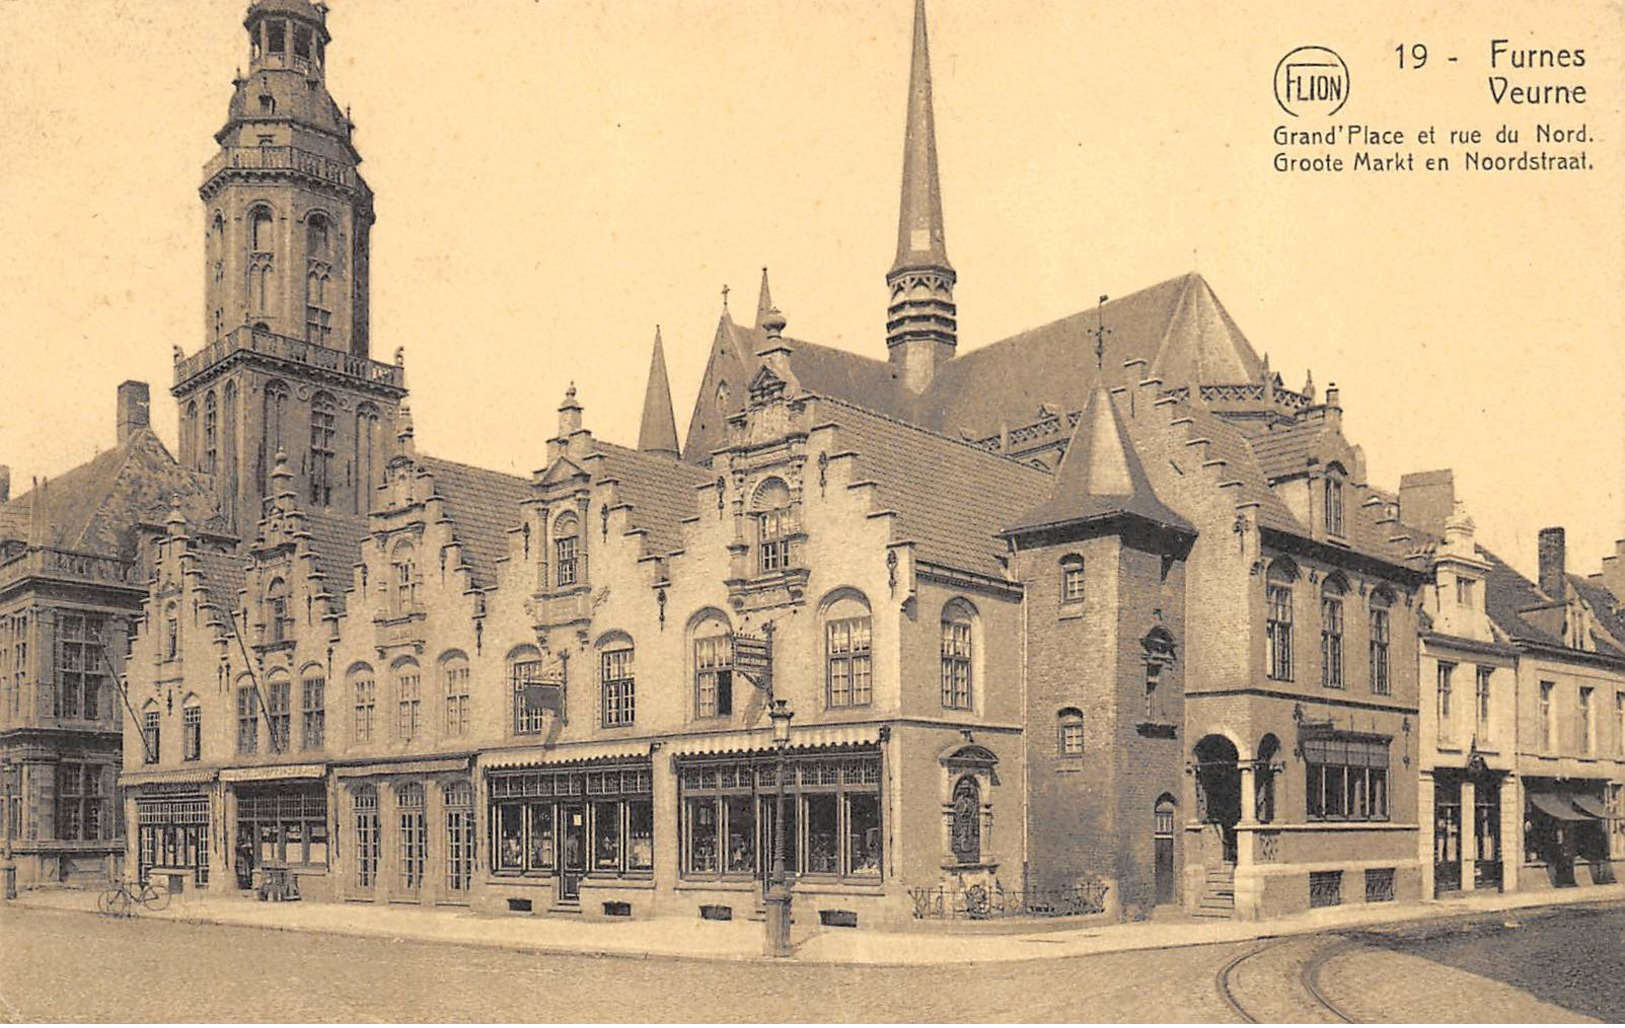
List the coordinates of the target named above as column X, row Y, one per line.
column 287, row 218
column 921, row 332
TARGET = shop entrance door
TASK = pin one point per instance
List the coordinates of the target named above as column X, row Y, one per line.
column 1446, row 837
column 1487, row 833
column 572, row 850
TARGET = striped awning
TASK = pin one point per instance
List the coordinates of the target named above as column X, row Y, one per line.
column 760, row 740
column 405, row 767
column 566, row 753
column 272, row 773
column 183, row 776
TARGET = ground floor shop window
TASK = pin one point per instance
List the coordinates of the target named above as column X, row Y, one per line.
column 459, row 836
column 832, row 819
column 287, row 825
column 365, row 803
column 174, row 832
column 528, row 807
column 1347, row 778
column 414, row 835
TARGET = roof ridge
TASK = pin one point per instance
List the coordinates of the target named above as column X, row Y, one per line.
column 972, row 447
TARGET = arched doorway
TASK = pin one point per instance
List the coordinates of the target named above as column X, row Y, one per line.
column 1218, row 791
column 1162, row 845
column 1264, row 780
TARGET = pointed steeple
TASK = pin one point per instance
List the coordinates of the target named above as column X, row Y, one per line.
column 658, row 433
column 764, row 300
column 921, row 330
column 1100, row 478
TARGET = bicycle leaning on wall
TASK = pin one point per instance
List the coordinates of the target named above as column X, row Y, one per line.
column 121, row 898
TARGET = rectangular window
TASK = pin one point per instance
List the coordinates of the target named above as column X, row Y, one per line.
column 1619, row 724
column 81, row 666
column 956, row 660
column 713, row 676
column 1071, row 583
column 459, row 837
column 248, row 722
column 366, row 703
column 619, row 687
column 565, row 550
column 408, row 702
column 1379, row 651
column 314, row 709
column 278, row 717
column 525, row 807
column 366, row 838
column 529, row 708
column 640, row 835
column 773, row 529
column 1278, row 632
column 79, row 801
column 1587, row 737
column 1446, row 699
column 1071, row 736
column 1325, row 888
column 1548, row 730
column 1331, row 642
column 1464, row 592
column 849, row 671
column 456, row 699
column 539, row 855
column 1483, row 687
column 606, row 836
column 1346, row 778
column 289, row 823
column 149, row 737
column 414, row 837
column 191, row 733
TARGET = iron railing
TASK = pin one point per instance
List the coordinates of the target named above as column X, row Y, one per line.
column 980, row 902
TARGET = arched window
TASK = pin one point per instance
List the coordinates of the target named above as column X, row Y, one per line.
column 1331, row 632
column 1069, row 722
column 217, row 253
column 454, row 680
column 366, row 449
column 313, row 707
column 966, row 828
column 316, row 232
column 775, row 523
column 318, row 308
column 618, row 683
column 278, row 713
column 958, row 622
column 322, row 423
column 404, row 573
column 276, row 415
column 1332, row 501
column 278, row 622
column 364, row 694
column 713, row 665
column 151, row 720
column 260, row 231
column 408, row 700
column 414, row 835
column 459, row 806
column 848, row 647
column 1071, row 579
column 1278, row 629
column 535, row 692
column 722, row 397
column 211, row 432
column 189, row 445
column 364, row 805
column 228, row 439
column 1381, row 600
column 1269, row 751
column 566, row 549
column 191, row 728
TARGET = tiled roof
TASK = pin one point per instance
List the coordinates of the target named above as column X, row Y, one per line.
column 95, row 507
column 1100, row 476
column 952, row 499
column 1605, row 607
column 852, row 378
column 1286, row 450
column 483, row 505
column 336, row 540
column 223, row 576
column 659, row 489
column 1506, row 593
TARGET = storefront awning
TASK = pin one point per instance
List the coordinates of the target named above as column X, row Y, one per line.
column 760, row 740
column 274, row 773
column 184, row 776
column 404, row 767
column 566, row 753
column 1557, row 805
column 1589, row 804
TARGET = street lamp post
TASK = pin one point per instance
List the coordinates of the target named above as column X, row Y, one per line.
column 778, row 886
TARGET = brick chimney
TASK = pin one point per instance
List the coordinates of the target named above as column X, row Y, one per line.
column 1553, row 559
column 134, row 409
column 1612, row 575
column 5, row 483
column 1427, row 499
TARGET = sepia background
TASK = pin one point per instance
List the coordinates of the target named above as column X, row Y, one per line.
column 555, row 178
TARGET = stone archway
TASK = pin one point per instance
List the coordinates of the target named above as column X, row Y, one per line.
column 1216, row 766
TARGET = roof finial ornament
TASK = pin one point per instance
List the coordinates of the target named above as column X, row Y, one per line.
column 725, row 291
column 1100, row 332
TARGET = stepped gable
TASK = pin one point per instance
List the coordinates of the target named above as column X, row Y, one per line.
column 1055, row 364
column 335, row 541
column 1100, row 478
column 483, row 506
column 1605, row 608
column 1226, row 442
column 98, row 506
column 951, row 498
column 660, row 491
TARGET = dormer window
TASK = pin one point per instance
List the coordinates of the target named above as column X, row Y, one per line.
column 1333, row 505
column 278, row 625
column 566, row 550
column 1464, row 592
column 403, row 566
column 774, row 526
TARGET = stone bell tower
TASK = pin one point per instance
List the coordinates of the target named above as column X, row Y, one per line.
column 287, row 218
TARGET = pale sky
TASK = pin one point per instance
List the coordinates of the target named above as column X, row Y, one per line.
column 555, row 178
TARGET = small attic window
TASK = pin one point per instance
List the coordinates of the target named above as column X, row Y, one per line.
column 267, row 106
column 276, row 37
column 301, row 42
column 1333, row 506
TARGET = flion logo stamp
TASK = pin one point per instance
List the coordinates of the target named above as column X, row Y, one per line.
column 1311, row 80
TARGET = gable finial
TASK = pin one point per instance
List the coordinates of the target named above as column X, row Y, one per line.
column 1100, row 332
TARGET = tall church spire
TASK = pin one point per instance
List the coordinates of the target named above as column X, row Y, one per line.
column 921, row 331
column 764, row 300
column 658, row 433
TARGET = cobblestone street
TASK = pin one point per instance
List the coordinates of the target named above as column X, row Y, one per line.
column 1460, row 969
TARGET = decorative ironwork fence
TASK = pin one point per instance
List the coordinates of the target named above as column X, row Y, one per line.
column 980, row 902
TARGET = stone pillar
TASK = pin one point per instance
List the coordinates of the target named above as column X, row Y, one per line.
column 1427, row 821
column 1469, row 834
column 1511, row 832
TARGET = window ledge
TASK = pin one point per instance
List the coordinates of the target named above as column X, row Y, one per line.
column 1069, row 612
column 990, row 868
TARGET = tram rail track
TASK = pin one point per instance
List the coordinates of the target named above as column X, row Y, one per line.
column 1308, row 978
